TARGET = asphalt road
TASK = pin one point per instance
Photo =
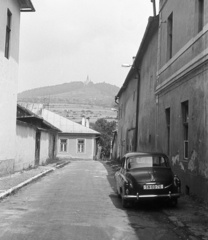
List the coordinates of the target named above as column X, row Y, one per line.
column 78, row 202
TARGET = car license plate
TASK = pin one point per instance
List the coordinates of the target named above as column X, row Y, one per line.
column 149, row 187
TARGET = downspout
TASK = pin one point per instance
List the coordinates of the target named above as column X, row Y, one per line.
column 154, row 8
column 137, row 110
column 118, row 153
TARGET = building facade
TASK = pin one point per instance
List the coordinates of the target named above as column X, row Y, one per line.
column 136, row 98
column 182, row 91
column 36, row 140
column 172, row 113
column 10, row 11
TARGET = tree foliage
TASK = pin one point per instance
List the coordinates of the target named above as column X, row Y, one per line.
column 106, row 129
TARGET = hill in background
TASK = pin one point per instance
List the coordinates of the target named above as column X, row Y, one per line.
column 99, row 94
column 75, row 99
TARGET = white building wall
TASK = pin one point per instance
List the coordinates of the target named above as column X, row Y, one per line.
column 25, row 146
column 8, row 85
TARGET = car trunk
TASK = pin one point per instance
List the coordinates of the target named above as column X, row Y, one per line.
column 158, row 175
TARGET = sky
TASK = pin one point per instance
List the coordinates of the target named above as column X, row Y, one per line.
column 72, row 40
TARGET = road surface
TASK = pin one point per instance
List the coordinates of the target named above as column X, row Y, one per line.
column 78, row 202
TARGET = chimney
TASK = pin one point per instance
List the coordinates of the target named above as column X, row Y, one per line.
column 87, row 122
column 83, row 120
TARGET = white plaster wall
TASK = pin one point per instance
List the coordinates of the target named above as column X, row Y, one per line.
column 25, row 147
column 44, row 147
column 8, row 79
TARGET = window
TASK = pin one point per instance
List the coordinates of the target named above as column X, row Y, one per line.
column 80, row 145
column 170, row 36
column 167, row 113
column 63, row 145
column 200, row 15
column 185, row 114
column 8, row 33
column 146, row 161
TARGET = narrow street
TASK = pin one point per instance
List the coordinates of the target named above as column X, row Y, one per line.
column 78, row 202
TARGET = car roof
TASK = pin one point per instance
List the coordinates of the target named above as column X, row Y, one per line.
column 131, row 154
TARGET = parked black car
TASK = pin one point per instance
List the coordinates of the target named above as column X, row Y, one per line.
column 146, row 176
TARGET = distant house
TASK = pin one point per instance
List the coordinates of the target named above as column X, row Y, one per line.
column 35, row 140
column 9, row 56
column 75, row 140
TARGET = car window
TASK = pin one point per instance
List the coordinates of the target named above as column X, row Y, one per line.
column 146, row 161
column 122, row 162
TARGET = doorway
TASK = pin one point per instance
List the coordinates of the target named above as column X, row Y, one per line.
column 37, row 148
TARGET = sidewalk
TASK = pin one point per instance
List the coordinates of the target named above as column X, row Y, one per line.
column 191, row 215
column 11, row 183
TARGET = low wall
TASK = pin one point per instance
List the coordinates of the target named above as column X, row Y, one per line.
column 25, row 146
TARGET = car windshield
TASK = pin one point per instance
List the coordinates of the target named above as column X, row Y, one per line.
column 146, row 161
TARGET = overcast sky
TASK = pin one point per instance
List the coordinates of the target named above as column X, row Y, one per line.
column 68, row 40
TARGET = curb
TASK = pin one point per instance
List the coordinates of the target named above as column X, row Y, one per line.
column 16, row 188
column 61, row 164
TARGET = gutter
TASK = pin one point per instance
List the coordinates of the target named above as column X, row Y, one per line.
column 137, row 111
column 26, row 6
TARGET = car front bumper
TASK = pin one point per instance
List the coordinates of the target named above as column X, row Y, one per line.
column 150, row 196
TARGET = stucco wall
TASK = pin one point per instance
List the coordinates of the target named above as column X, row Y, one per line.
column 184, row 78
column 147, row 101
column 185, row 26
column 194, row 170
column 72, row 152
column 127, row 115
column 8, row 83
column 25, row 147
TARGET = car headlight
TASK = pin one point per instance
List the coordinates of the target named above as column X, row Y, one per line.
column 129, row 185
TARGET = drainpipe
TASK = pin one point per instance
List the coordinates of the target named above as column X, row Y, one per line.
column 154, row 8
column 137, row 109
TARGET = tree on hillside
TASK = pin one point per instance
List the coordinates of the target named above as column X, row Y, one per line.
column 106, row 129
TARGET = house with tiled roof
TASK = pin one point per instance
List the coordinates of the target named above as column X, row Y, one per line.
column 36, row 139
column 75, row 140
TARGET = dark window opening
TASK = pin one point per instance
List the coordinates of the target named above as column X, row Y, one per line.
column 200, row 15
column 8, row 34
column 185, row 118
column 170, row 36
column 167, row 113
